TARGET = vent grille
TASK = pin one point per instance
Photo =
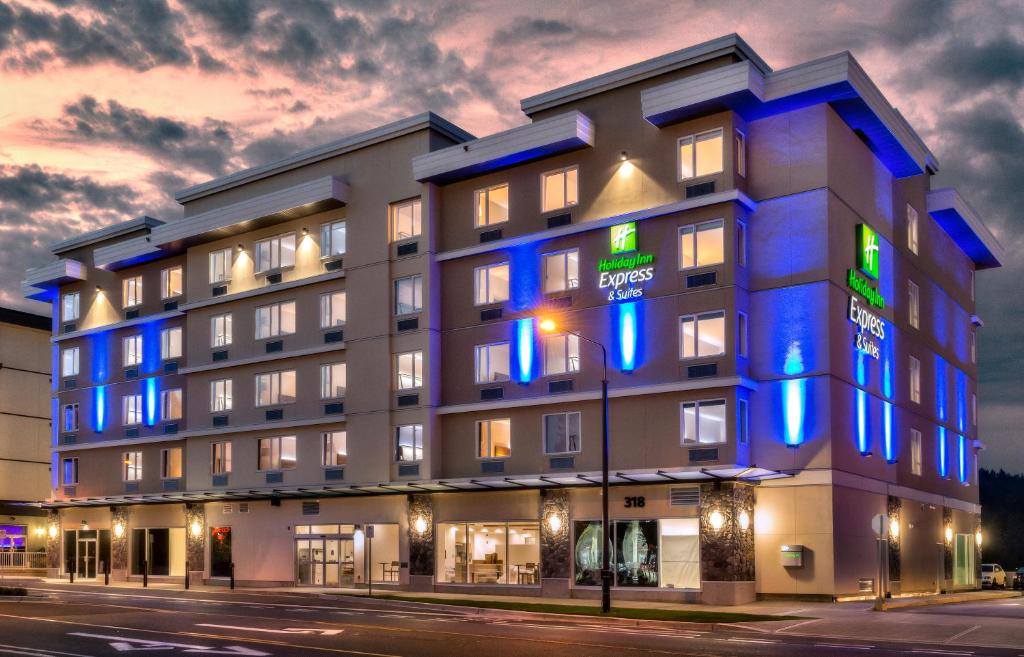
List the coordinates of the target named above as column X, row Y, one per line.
column 275, row 346
column 131, row 314
column 700, row 189
column 490, row 235
column 70, row 439
column 559, row 220
column 562, row 462
column 133, row 373
column 70, row 328
column 492, row 467
column 490, row 314
column 228, row 509
column 408, row 324
column 334, row 408
column 334, row 336
column 560, row 386
column 311, row 508
column 131, row 487
column 131, row 433
column 276, row 414
column 171, row 368
column 171, row 305
column 703, row 454
column 409, row 470
column 171, row 485
column 220, row 355
column 700, row 280
column 275, row 477
column 221, row 480
column 407, row 249
column 243, row 507
column 171, row 428
column 408, row 400
column 220, row 420
column 334, row 265
column 274, row 279
column 335, row 474
column 70, row 383
column 684, row 496
column 219, row 291
column 701, row 371
column 487, row 394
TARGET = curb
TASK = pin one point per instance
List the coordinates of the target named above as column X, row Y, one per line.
column 948, row 600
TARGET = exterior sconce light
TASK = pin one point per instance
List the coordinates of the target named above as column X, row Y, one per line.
column 548, row 325
column 744, row 520
column 305, row 231
column 716, row 520
column 949, row 534
column 99, row 288
column 52, row 531
column 39, row 531
column 623, row 156
column 85, row 526
column 241, row 248
column 894, row 527
column 195, row 529
column 118, row 530
column 554, row 523
column 977, row 538
column 420, row 525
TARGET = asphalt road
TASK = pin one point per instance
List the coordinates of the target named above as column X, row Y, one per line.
column 79, row 621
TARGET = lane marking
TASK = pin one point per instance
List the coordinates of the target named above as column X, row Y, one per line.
column 124, row 644
column 738, row 640
column 848, row 646
column 43, row 651
column 943, row 652
column 286, row 630
column 967, row 631
column 795, row 625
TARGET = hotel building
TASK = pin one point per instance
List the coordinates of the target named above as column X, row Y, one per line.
column 786, row 304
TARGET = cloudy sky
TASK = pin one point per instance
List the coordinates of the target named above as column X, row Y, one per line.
column 107, row 107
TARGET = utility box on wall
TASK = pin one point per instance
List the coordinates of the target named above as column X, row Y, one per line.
column 792, row 556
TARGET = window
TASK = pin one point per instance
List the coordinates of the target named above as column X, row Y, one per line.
column 492, row 362
column 915, row 452
column 70, row 471
column 409, row 370
column 702, row 335
column 560, row 189
column 132, row 466
column 170, row 404
column 492, row 283
column 220, row 458
column 335, row 448
column 333, row 309
column 742, row 421
column 332, row 380
column 171, row 281
column 973, row 338
column 741, row 243
column 131, row 349
column 915, row 380
column 562, row 433
column 492, row 205
column 275, row 319
column 69, row 362
column 504, row 553
column 131, row 291
column 277, row 453
column 702, row 422
column 702, row 245
column 70, row 419
column 131, row 410
column 275, row 253
column 971, row 285
column 700, row 154
column 911, row 229
column 409, row 443
column 170, row 463
column 408, row 295
column 275, row 388
column 220, row 395
column 170, row 343
column 913, row 304
column 561, row 354
column 494, row 439
column 70, row 306
column 332, row 239
column 220, row 330
column 742, row 332
column 405, row 220
column 220, row 266
column 974, row 409
column 741, row 154
column 562, row 271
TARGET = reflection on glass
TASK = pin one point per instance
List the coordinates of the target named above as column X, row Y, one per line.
column 636, row 553
column 588, row 553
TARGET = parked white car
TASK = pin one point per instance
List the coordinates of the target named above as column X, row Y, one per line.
column 993, row 576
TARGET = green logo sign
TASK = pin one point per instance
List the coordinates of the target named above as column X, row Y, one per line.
column 867, row 250
column 623, row 238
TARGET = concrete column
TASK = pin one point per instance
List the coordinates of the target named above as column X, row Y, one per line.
column 894, row 508
column 421, row 542
column 53, row 555
column 119, row 530
column 727, row 543
column 555, row 550
column 195, row 542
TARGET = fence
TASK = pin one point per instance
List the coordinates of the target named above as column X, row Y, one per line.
column 22, row 560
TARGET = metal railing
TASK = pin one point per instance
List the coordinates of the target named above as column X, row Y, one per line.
column 22, row 560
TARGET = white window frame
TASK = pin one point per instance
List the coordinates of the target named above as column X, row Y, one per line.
column 65, row 428
column 567, row 282
column 697, row 405
column 221, row 262
column 486, row 193
column 74, row 300
column 416, row 229
column 169, row 347
column 166, row 396
column 913, row 304
column 131, row 292
column 916, row 452
column 328, row 301
column 73, row 460
column 417, row 370
column 277, row 445
column 221, row 330
column 566, row 442
column 70, row 363
column 327, row 239
column 707, row 316
column 327, row 382
column 277, row 255
column 165, row 462
column 915, row 380
column 223, row 458
column 165, row 282
column 488, row 301
column 482, row 354
column 564, row 172
column 131, row 466
column 479, row 438
column 913, row 227
column 131, row 350
column 328, row 441
column 572, row 364
column 741, row 243
column 692, row 230
column 416, row 281
column 741, row 153
column 417, row 443
column 274, row 383
column 131, row 410
column 275, row 328
column 693, row 139
column 221, row 395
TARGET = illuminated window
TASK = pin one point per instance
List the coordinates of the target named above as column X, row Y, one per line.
column 333, row 309
column 170, row 343
column 277, row 453
column 702, row 422
column 915, row 380
column 70, row 418
column 741, row 154
column 915, row 452
column 405, row 220
column 562, row 433
column 275, row 319
column 562, row 271
column 69, row 471
column 131, row 292
column 409, row 370
column 332, row 239
column 702, row 335
column 742, row 421
column 409, row 443
column 70, row 306
column 131, row 410
column 409, row 295
column 220, row 266
column 131, row 350
column 170, row 463
column 131, row 466
column 912, row 229
column 492, row 362
column 702, row 245
column 220, row 395
column 492, row 205
column 171, row 282
column 220, row 330
column 560, row 189
column 561, row 354
column 69, row 362
column 275, row 388
column 333, row 380
column 491, row 283
column 494, row 439
column 913, row 304
column 700, row 154
column 170, row 404
column 275, row 252
column 335, row 448
column 220, row 458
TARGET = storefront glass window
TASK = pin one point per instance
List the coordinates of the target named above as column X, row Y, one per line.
column 680, row 553
column 636, row 553
column 588, row 553
column 647, row 553
column 489, row 553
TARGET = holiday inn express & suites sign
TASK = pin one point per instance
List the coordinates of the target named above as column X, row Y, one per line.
column 870, row 327
column 627, row 269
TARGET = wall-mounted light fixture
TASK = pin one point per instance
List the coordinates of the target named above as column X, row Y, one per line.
column 305, row 231
column 85, row 526
column 118, row 530
column 744, row 521
column 52, row 531
column 39, row 531
column 623, row 156
column 977, row 538
column 195, row 529
column 949, row 534
column 240, row 248
column 554, row 523
column 894, row 527
column 716, row 520
column 99, row 288
column 420, row 525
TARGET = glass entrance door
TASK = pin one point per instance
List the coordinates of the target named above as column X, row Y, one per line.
column 310, row 561
column 220, row 552
column 86, row 563
column 325, row 562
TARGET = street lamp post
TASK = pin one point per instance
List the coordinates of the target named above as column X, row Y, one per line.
column 549, row 326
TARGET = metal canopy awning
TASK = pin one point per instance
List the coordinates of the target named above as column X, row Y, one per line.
column 566, row 480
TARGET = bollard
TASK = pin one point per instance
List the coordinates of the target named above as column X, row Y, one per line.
column 105, row 567
column 232, row 575
column 145, row 573
column 71, row 571
column 186, row 575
